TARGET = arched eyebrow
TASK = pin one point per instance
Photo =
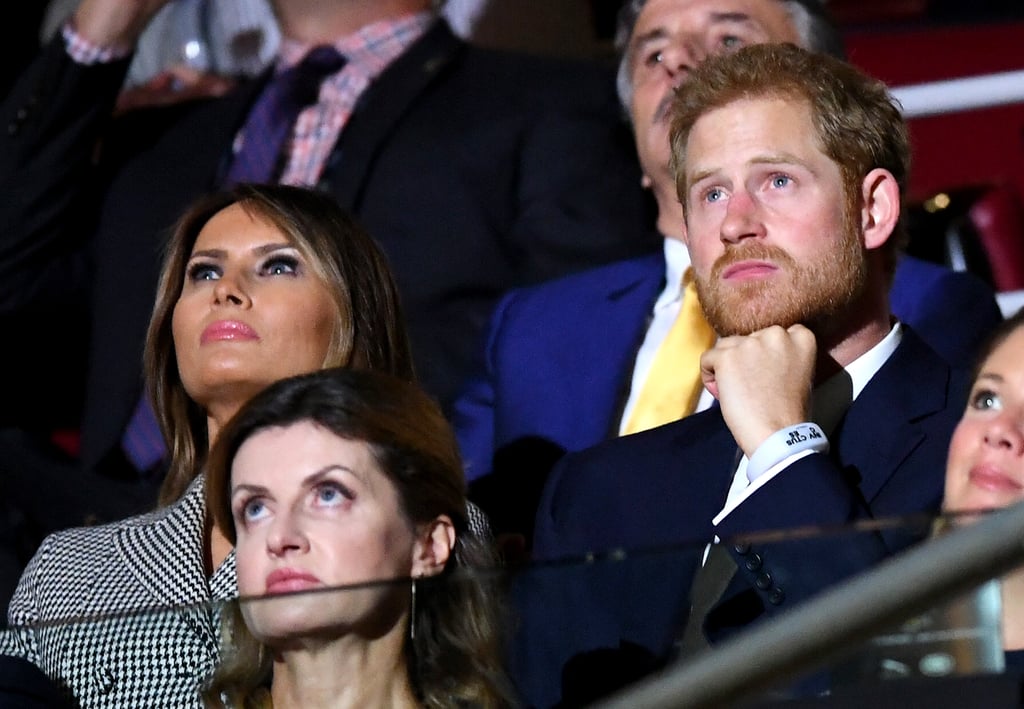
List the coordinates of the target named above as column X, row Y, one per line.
column 308, row 481
column 990, row 376
column 261, row 250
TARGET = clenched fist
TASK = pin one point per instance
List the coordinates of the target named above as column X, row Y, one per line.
column 762, row 381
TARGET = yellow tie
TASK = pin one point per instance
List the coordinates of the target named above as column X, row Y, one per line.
column 673, row 384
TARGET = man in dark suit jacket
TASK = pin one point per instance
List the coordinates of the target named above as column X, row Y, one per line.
column 829, row 410
column 476, row 170
column 559, row 362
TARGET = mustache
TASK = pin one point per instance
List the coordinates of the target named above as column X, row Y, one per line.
column 750, row 252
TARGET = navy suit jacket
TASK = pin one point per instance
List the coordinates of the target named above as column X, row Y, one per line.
column 655, row 493
column 558, row 358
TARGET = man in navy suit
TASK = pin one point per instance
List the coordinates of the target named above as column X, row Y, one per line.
column 563, row 362
column 790, row 169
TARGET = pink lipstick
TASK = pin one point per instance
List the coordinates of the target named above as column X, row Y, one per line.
column 227, row 330
column 290, row 580
column 991, row 478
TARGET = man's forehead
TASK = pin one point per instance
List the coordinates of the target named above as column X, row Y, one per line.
column 778, row 124
column 769, row 16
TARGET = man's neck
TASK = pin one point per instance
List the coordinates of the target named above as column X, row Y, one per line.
column 319, row 21
column 670, row 211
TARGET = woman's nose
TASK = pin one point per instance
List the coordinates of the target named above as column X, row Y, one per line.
column 286, row 536
column 1004, row 432
column 230, row 291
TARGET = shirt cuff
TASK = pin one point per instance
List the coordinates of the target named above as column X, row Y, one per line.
column 82, row 51
column 784, row 444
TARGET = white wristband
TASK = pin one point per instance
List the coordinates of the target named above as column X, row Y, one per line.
column 783, row 444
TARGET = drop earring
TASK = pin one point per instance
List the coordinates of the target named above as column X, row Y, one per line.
column 412, row 612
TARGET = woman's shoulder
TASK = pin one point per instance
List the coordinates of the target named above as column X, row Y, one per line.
column 78, row 539
column 87, row 546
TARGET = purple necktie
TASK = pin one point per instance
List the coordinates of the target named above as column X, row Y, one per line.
column 142, row 442
column 272, row 117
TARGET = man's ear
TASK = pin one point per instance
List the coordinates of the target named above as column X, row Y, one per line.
column 434, row 543
column 880, row 208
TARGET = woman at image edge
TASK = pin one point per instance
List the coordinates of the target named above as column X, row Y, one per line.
column 985, row 468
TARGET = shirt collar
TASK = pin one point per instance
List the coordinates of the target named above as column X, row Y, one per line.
column 372, row 46
column 833, row 396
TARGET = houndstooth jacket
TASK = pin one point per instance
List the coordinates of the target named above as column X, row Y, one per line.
column 119, row 656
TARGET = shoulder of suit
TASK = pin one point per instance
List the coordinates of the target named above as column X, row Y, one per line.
column 599, row 278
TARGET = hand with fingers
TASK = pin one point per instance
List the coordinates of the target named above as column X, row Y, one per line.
column 762, row 381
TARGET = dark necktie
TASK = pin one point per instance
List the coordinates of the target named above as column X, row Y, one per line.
column 709, row 583
column 272, row 117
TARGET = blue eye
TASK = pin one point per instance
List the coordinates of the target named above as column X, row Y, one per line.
column 253, row 510
column 332, row 494
column 203, row 272
column 281, row 265
column 781, row 180
column 713, row 195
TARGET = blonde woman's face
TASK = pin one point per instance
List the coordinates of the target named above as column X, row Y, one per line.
column 251, row 311
column 985, row 469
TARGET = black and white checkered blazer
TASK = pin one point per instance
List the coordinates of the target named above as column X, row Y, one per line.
column 91, row 609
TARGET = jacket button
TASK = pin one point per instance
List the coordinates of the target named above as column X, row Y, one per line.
column 764, row 581
column 776, row 596
column 741, row 548
column 753, row 562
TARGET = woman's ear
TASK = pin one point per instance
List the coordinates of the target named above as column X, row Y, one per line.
column 434, row 544
column 880, row 209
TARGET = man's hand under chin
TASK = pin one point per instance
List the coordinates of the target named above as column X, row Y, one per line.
column 762, row 381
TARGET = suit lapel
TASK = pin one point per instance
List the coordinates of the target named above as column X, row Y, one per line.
column 912, row 385
column 616, row 330
column 381, row 107
column 170, row 547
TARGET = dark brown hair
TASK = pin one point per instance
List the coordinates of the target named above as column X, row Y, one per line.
column 454, row 659
column 369, row 333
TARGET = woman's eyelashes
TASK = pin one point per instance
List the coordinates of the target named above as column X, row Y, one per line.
column 203, row 271
column 332, row 494
column 251, row 509
column 280, row 265
column 277, row 264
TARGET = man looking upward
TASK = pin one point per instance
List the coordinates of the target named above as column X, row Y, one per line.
column 790, row 168
column 571, row 363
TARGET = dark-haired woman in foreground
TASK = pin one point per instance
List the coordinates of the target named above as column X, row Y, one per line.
column 338, row 478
